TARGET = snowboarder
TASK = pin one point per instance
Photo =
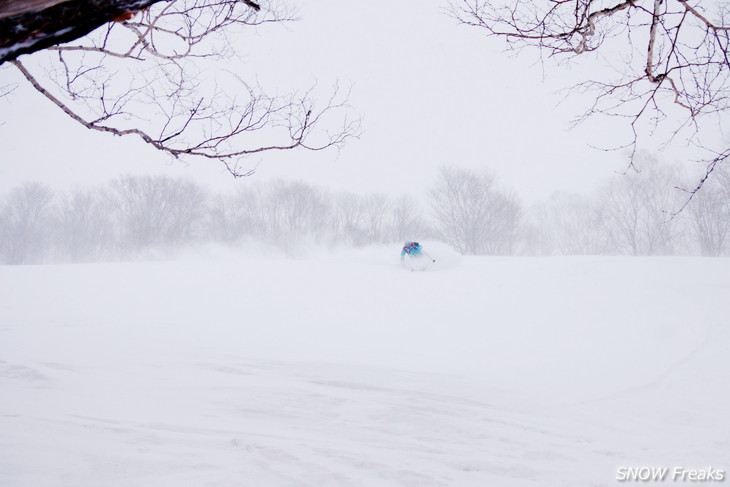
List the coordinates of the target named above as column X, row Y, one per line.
column 412, row 256
column 411, row 249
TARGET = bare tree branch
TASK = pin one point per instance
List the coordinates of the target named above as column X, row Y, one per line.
column 684, row 73
column 156, row 74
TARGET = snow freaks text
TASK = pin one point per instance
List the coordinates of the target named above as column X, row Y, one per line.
column 676, row 474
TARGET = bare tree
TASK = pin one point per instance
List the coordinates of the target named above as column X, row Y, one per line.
column 472, row 214
column 360, row 219
column 156, row 210
column 159, row 74
column 375, row 209
column 248, row 218
column 347, row 218
column 670, row 56
column 406, row 220
column 709, row 215
column 634, row 211
column 85, row 226
column 224, row 222
column 279, row 213
column 569, row 224
column 26, row 224
column 294, row 211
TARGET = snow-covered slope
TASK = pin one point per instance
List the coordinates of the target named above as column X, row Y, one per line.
column 347, row 370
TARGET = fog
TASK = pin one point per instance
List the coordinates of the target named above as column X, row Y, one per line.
column 149, row 216
column 430, row 93
column 164, row 324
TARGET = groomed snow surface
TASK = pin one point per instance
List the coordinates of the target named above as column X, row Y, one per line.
column 345, row 369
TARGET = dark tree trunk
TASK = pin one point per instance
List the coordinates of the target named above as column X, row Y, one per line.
column 28, row 26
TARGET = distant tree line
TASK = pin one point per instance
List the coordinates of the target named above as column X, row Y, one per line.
column 135, row 215
column 636, row 214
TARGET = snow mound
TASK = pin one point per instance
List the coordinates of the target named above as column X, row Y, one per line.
column 445, row 255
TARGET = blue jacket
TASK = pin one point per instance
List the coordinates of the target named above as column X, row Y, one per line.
column 411, row 248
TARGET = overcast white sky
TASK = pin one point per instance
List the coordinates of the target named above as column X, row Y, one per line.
column 430, row 92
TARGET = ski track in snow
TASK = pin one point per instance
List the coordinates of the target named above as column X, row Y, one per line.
column 319, row 373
